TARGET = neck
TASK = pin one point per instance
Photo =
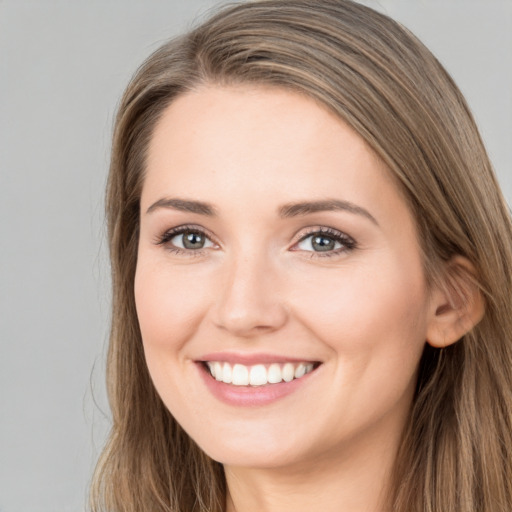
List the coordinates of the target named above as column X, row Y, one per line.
column 355, row 479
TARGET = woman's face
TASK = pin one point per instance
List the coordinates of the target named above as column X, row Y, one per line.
column 276, row 249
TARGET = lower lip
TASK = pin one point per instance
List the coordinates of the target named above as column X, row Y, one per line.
column 250, row 396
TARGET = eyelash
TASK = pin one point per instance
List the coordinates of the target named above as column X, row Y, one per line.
column 347, row 242
column 180, row 230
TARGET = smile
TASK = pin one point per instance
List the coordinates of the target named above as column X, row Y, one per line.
column 258, row 374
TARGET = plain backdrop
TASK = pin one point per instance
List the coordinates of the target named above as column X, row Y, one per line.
column 63, row 66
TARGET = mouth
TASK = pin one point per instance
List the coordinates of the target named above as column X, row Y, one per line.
column 258, row 374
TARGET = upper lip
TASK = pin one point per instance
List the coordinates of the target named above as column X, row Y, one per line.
column 252, row 359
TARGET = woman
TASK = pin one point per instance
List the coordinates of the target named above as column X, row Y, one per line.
column 311, row 279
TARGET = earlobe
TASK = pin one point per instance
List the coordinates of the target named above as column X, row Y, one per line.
column 457, row 304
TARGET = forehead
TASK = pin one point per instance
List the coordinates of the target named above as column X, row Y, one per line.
column 260, row 142
column 219, row 117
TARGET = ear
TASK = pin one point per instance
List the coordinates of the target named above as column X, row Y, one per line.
column 457, row 304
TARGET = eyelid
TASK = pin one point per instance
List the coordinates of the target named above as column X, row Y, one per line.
column 346, row 240
column 327, row 230
column 169, row 234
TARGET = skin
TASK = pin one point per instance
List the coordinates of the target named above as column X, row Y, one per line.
column 258, row 286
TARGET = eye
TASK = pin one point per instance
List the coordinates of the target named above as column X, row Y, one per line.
column 191, row 240
column 185, row 238
column 327, row 241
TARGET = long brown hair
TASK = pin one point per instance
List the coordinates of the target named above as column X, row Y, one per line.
column 456, row 453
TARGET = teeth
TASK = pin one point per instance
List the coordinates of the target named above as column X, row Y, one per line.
column 218, row 371
column 259, row 374
column 288, row 372
column 227, row 373
column 274, row 374
column 240, row 376
column 300, row 371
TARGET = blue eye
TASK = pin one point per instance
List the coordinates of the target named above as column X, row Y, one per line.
column 327, row 241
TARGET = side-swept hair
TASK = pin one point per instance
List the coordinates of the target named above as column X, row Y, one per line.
column 456, row 452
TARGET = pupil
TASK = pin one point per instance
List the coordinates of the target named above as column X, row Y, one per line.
column 193, row 240
column 322, row 243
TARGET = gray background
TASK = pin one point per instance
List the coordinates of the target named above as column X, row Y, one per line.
column 63, row 65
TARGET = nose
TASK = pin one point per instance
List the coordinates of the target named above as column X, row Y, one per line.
column 249, row 301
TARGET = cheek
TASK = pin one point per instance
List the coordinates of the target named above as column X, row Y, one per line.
column 366, row 309
column 169, row 304
column 374, row 323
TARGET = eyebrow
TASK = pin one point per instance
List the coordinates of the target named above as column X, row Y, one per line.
column 328, row 205
column 184, row 205
column 286, row 211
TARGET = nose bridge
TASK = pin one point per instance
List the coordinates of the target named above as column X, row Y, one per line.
column 250, row 301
